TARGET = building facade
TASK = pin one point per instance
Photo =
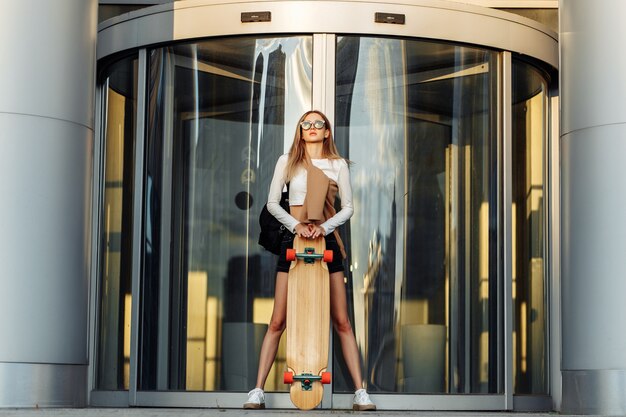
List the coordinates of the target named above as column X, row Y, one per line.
column 148, row 184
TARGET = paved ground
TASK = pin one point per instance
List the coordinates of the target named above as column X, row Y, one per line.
column 165, row 412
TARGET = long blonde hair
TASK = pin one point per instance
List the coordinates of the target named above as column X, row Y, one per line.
column 297, row 153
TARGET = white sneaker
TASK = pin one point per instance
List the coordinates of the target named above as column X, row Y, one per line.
column 362, row 401
column 256, row 399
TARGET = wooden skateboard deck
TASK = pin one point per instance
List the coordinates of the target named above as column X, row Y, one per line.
column 308, row 321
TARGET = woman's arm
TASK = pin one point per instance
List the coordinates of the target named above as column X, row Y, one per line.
column 276, row 191
column 345, row 194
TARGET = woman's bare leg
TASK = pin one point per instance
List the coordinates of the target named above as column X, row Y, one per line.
column 341, row 323
column 275, row 329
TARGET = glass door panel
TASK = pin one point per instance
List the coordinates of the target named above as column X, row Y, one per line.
column 113, row 347
column 530, row 295
column 221, row 112
column 423, row 278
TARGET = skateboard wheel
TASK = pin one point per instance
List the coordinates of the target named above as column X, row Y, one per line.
column 288, row 377
column 291, row 255
column 328, row 256
column 325, row 377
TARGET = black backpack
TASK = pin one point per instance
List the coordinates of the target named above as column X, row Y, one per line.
column 272, row 231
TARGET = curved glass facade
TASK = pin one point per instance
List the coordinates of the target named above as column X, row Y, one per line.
column 221, row 112
column 423, row 270
column 422, row 122
column 115, row 299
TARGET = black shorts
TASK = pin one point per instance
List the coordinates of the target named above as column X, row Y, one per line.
column 331, row 244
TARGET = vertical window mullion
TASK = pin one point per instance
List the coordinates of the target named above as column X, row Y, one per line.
column 507, row 225
column 137, row 238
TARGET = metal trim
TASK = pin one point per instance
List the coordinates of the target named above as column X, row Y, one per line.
column 448, row 402
column 598, row 391
column 547, row 223
column 320, row 59
column 132, row 2
column 166, row 227
column 451, row 402
column 501, row 295
column 323, row 94
column 507, row 243
column 516, row 4
column 555, row 251
column 108, row 399
column 531, row 403
column 329, row 110
column 137, row 257
column 97, row 207
column 42, row 385
column 215, row 399
column 330, row 68
column 323, row 98
column 447, row 21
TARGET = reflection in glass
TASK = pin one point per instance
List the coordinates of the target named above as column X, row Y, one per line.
column 423, row 239
column 113, row 347
column 221, row 112
column 530, row 350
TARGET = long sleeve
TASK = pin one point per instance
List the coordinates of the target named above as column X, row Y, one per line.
column 345, row 194
column 276, row 190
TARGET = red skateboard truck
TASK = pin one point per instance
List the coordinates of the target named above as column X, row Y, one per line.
column 309, row 256
column 306, row 379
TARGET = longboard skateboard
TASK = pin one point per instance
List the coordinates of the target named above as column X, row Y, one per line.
column 308, row 321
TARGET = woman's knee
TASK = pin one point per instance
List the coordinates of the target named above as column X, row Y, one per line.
column 277, row 326
column 342, row 325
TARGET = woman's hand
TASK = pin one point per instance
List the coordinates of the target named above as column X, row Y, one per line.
column 309, row 231
column 316, row 231
column 302, row 230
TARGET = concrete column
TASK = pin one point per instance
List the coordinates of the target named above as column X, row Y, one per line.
column 593, row 164
column 47, row 83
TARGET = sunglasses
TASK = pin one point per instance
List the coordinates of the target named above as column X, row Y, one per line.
column 318, row 124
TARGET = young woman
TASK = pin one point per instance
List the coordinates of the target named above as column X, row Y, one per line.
column 313, row 144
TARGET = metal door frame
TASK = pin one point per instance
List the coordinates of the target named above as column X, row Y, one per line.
column 115, row 35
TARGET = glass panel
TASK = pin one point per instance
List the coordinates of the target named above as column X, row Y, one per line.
column 530, row 336
column 221, row 112
column 423, row 239
column 112, row 371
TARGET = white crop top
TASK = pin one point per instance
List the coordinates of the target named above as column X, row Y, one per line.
column 335, row 169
